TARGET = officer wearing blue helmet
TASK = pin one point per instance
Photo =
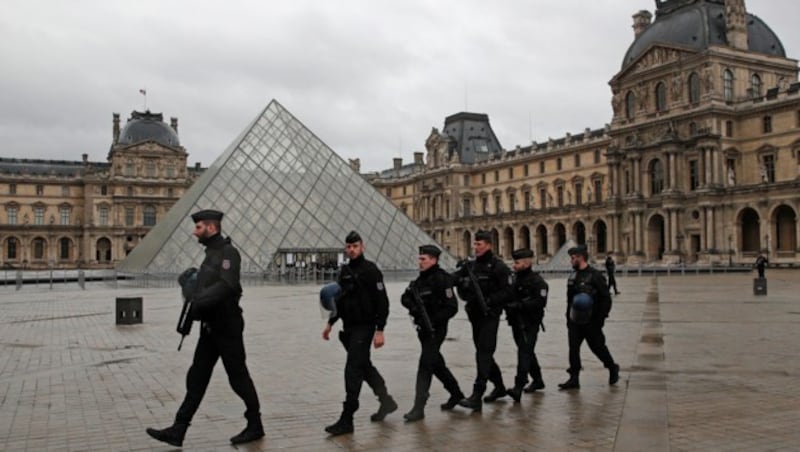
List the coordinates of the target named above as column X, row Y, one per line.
column 588, row 305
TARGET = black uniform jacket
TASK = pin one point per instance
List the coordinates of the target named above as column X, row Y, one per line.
column 435, row 288
column 363, row 301
column 530, row 298
column 493, row 277
column 216, row 298
column 590, row 281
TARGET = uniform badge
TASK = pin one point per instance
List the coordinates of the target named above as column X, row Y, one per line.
column 380, row 286
column 543, row 293
column 448, row 292
column 226, row 264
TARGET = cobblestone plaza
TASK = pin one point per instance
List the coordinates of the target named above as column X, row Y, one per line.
column 705, row 366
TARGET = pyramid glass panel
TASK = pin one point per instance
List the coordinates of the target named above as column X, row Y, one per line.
column 285, row 195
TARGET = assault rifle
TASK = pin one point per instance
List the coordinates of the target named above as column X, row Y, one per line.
column 188, row 283
column 427, row 325
column 484, row 307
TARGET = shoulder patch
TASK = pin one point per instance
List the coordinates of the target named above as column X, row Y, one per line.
column 226, row 264
column 380, row 286
column 543, row 293
column 448, row 292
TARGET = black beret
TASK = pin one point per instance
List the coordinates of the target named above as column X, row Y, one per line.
column 352, row 237
column 522, row 253
column 430, row 250
column 485, row 236
column 207, row 215
column 580, row 249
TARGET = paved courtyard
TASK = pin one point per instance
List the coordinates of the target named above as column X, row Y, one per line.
column 705, row 366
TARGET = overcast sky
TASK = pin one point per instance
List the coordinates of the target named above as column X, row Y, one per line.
column 369, row 77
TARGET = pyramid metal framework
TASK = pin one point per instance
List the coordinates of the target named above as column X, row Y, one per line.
column 283, row 192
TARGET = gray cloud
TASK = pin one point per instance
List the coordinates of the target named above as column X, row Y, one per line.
column 369, row 77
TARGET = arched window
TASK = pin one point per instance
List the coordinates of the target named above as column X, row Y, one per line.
column 149, row 216
column 656, row 177
column 11, row 248
column 661, row 96
column 694, row 88
column 630, row 105
column 103, row 253
column 727, row 85
column 38, row 248
column 64, row 248
column 692, row 128
column 755, row 86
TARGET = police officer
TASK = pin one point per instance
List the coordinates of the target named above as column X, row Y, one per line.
column 525, row 314
column 215, row 304
column 611, row 267
column 493, row 286
column 363, row 307
column 431, row 302
column 761, row 265
column 585, row 322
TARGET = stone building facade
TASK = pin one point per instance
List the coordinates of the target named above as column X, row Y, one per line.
column 83, row 214
column 700, row 162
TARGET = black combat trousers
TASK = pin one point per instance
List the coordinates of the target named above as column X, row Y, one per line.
column 527, row 364
column 431, row 362
column 612, row 282
column 484, row 336
column 592, row 332
column 357, row 341
column 228, row 344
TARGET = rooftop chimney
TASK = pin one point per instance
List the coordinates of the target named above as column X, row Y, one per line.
column 398, row 163
column 641, row 21
column 355, row 165
column 85, row 158
column 115, row 130
column 173, row 122
column 197, row 166
column 736, row 24
column 418, row 159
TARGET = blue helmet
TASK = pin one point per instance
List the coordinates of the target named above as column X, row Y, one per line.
column 328, row 295
column 581, row 310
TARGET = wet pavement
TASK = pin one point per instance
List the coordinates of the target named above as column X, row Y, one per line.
column 706, row 365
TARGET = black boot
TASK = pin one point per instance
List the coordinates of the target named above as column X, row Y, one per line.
column 172, row 435
column 451, row 403
column 535, row 386
column 572, row 383
column 497, row 393
column 613, row 374
column 253, row 431
column 345, row 423
column 515, row 393
column 388, row 405
column 473, row 402
column 417, row 411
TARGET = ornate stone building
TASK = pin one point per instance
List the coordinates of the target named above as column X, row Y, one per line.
column 700, row 162
column 68, row 214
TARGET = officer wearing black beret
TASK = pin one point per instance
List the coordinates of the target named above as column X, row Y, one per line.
column 215, row 303
column 484, row 283
column 525, row 314
column 587, row 280
column 363, row 307
column 431, row 302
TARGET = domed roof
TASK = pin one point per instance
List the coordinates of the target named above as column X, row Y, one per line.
column 699, row 25
column 148, row 127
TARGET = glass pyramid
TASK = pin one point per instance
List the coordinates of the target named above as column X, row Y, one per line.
column 287, row 198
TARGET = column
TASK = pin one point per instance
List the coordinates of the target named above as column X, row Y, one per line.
column 708, row 167
column 673, row 170
column 710, row 229
column 716, row 172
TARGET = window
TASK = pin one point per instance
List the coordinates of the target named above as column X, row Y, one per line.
column 577, row 160
column 38, row 248
column 11, row 249
column 527, row 198
column 38, row 215
column 694, row 88
column 498, row 204
column 12, row 189
column 543, row 198
column 692, row 128
column 150, row 169
column 404, row 190
column 560, row 196
column 388, row 192
column 656, row 177
column 512, row 201
column 578, row 194
column 149, row 216
column 768, row 171
column 104, row 190
column 598, row 191
column 694, row 175
column 170, row 171
column 12, row 215
column 171, row 192
column 597, row 156
column 64, row 214
column 129, row 212
column 541, row 167
column 627, row 181
column 446, row 213
column 630, row 105
column 496, row 175
column 661, row 97
column 767, row 124
column 130, row 169
column 64, row 246
column 526, row 172
column 485, row 205
column 755, row 86
column 727, row 85
column 729, row 128
column 39, row 190
column 467, row 207
column 483, row 179
column 130, row 191
column 65, row 191
column 103, row 214
column 558, row 164
column 511, row 173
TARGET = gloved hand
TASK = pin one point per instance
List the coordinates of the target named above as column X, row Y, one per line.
column 513, row 307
